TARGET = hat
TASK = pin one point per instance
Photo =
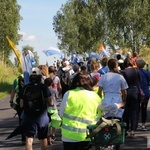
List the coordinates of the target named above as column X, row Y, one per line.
column 80, row 60
column 36, row 71
column 140, row 63
column 97, row 77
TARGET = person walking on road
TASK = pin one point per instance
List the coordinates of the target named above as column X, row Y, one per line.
column 17, row 86
column 144, row 84
column 35, row 120
column 78, row 110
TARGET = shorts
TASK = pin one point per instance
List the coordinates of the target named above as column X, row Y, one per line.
column 35, row 126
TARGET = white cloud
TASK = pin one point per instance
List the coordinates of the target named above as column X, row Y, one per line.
column 22, row 33
column 26, row 37
column 30, row 38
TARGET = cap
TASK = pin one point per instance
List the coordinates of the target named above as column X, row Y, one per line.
column 80, row 60
column 36, row 71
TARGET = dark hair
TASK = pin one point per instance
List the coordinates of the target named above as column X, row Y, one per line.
column 75, row 68
column 48, row 81
column 104, row 61
column 35, row 78
column 112, row 64
column 128, row 62
column 118, row 56
column 83, row 68
column 81, row 80
column 51, row 69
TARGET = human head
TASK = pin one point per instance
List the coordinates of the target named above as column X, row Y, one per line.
column 80, row 62
column 140, row 63
column 128, row 62
column 66, row 63
column 113, row 65
column 51, row 69
column 118, row 57
column 75, row 68
column 129, row 55
column 35, row 75
column 43, row 69
column 48, row 81
column 96, row 79
column 104, row 61
column 94, row 65
column 135, row 54
column 83, row 69
column 81, row 80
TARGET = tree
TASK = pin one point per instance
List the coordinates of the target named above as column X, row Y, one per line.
column 25, row 51
column 82, row 25
column 9, row 25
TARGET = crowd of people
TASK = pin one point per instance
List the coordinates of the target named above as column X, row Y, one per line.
column 112, row 88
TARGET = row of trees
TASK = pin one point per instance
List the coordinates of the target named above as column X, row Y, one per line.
column 82, row 25
column 9, row 25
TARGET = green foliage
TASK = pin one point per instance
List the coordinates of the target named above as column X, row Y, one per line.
column 9, row 26
column 83, row 25
column 7, row 76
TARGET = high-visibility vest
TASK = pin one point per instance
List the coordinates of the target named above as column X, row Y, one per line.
column 80, row 111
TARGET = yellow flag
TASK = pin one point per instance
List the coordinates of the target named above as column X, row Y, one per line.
column 17, row 53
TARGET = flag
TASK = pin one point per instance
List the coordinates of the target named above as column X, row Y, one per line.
column 17, row 53
column 52, row 51
column 105, row 52
column 30, row 59
column 95, row 55
column 28, row 62
column 101, row 47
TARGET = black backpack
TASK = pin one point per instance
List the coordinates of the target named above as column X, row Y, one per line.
column 33, row 98
column 64, row 77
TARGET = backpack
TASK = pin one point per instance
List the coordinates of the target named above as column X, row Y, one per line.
column 53, row 84
column 34, row 102
column 64, row 78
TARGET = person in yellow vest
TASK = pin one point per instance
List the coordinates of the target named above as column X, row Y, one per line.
column 78, row 110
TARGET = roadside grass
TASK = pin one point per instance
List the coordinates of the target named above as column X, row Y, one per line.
column 7, row 76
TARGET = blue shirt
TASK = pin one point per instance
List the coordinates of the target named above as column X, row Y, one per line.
column 144, row 81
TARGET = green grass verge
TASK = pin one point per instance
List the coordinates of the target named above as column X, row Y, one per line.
column 7, row 76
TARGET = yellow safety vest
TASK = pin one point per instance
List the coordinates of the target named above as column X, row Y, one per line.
column 80, row 111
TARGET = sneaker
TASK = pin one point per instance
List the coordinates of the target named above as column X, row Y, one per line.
column 143, row 128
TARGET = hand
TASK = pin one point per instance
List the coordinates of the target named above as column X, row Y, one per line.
column 121, row 104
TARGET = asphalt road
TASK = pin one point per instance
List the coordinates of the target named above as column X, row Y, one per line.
column 8, row 122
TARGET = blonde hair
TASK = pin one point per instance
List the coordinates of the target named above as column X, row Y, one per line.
column 94, row 65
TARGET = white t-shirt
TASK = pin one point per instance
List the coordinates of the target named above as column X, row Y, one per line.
column 56, row 80
column 112, row 84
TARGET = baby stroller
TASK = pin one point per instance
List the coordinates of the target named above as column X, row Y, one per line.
column 107, row 133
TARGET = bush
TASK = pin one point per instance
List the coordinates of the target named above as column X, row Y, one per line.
column 7, row 76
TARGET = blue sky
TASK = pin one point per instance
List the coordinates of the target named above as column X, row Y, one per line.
column 36, row 26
